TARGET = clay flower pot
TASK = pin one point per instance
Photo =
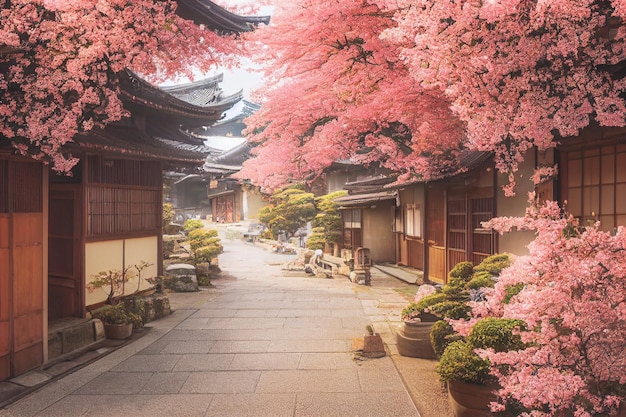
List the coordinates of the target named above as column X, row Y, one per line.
column 413, row 339
column 470, row 400
column 118, row 331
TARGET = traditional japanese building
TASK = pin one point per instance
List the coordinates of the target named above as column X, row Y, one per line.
column 431, row 226
column 230, row 200
column 57, row 231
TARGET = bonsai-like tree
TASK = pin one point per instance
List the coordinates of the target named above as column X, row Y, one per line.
column 205, row 245
column 327, row 225
column 290, row 209
column 112, row 282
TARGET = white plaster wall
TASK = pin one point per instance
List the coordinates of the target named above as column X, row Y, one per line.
column 114, row 255
column 516, row 242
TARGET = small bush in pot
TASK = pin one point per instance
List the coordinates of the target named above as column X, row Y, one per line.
column 117, row 314
column 459, row 360
column 459, row 363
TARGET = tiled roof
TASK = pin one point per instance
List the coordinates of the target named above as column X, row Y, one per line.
column 217, row 18
column 140, row 95
column 128, row 140
column 365, row 199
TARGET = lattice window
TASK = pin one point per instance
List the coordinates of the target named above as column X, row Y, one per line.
column 352, row 236
column 102, row 170
column 124, row 196
column 483, row 240
column 115, row 211
column 21, row 188
column 596, row 185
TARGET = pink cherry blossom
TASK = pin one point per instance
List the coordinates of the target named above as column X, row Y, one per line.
column 60, row 61
column 572, row 296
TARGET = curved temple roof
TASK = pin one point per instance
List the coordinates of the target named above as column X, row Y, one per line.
column 218, row 18
column 192, row 105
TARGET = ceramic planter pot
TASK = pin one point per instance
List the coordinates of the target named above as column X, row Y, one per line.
column 118, row 331
column 413, row 339
column 470, row 400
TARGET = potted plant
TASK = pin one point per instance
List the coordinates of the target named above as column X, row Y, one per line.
column 112, row 282
column 117, row 320
column 471, row 385
column 570, row 290
column 413, row 337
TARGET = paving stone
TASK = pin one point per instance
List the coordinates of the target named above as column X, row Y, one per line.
column 304, row 380
column 209, row 362
column 253, row 405
column 167, row 405
column 309, row 346
column 347, row 404
column 31, row 379
column 188, row 346
column 165, row 383
column 240, row 346
column 326, row 361
column 148, row 363
column 261, row 361
column 222, row 382
column 114, row 383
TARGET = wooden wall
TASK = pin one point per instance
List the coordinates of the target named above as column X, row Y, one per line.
column 22, row 267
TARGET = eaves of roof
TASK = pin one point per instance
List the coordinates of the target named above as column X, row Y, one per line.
column 205, row 108
column 127, row 140
column 357, row 200
column 468, row 161
column 218, row 18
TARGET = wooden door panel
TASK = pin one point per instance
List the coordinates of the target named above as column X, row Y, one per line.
column 27, row 229
column 28, row 280
column 64, row 248
column 4, row 231
column 5, row 344
column 5, row 368
column 437, row 263
column 5, row 291
column 28, row 358
column 27, row 294
column 416, row 253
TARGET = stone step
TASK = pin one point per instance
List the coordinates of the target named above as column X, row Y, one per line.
column 70, row 336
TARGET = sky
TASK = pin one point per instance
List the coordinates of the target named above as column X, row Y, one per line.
column 236, row 80
column 241, row 78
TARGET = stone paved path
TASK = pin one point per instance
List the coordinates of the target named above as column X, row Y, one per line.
column 262, row 342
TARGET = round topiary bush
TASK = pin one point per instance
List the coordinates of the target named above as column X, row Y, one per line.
column 462, row 270
column 441, row 335
column 480, row 280
column 459, row 363
column 494, row 264
column 497, row 333
column 454, row 310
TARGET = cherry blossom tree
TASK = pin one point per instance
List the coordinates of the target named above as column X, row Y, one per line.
column 403, row 81
column 59, row 61
column 336, row 91
column 519, row 73
column 570, row 290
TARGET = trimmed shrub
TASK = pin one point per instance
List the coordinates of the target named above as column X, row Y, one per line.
column 459, row 363
column 462, row 270
column 441, row 335
column 497, row 333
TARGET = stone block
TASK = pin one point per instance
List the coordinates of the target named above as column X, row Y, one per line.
column 181, row 278
column 373, row 346
column 98, row 329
